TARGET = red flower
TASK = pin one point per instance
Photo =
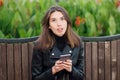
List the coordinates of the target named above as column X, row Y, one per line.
column 117, row 4
column 1, row 3
column 79, row 20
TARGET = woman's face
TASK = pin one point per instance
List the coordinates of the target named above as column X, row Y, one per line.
column 58, row 24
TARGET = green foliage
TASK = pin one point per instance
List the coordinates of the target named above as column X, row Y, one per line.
column 22, row 18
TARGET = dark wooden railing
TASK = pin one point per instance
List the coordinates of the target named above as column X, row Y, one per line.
column 102, row 58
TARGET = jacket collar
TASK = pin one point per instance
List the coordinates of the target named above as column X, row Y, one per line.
column 55, row 52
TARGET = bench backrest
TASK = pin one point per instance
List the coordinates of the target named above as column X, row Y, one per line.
column 102, row 60
column 15, row 61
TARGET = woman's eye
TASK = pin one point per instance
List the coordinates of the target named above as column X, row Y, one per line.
column 53, row 20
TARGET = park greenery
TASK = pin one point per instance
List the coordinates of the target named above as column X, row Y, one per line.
column 22, row 18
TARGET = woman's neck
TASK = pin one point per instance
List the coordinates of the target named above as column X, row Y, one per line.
column 60, row 42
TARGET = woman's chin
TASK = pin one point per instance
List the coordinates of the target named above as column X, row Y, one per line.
column 60, row 35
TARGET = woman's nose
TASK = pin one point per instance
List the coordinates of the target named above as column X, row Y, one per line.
column 58, row 23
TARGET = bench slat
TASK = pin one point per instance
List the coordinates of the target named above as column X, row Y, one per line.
column 3, row 64
column 101, row 68
column 10, row 62
column 25, row 61
column 107, row 61
column 30, row 49
column 94, row 61
column 17, row 61
column 113, row 59
column 118, row 60
column 88, row 72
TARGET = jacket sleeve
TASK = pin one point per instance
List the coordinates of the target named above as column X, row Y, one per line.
column 77, row 70
column 37, row 67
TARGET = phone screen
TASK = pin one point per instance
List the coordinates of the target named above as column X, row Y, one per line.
column 65, row 57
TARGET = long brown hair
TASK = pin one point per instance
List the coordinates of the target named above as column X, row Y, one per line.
column 47, row 40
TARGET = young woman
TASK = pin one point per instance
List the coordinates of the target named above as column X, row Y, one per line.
column 58, row 53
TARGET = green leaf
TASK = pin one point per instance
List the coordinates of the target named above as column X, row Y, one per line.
column 29, row 32
column 2, row 34
column 112, row 25
column 16, row 19
column 90, row 22
column 22, row 33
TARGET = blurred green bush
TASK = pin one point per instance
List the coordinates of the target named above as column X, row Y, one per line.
column 21, row 18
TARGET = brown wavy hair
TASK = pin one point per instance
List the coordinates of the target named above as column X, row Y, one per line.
column 46, row 39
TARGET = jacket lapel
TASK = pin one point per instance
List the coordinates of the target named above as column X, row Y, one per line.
column 55, row 52
column 67, row 50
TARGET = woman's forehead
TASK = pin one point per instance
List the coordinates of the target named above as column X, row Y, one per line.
column 56, row 14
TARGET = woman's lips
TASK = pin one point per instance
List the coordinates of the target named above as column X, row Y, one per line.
column 60, row 29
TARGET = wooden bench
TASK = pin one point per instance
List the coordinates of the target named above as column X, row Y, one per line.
column 102, row 58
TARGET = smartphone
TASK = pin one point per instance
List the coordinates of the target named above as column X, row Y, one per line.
column 65, row 57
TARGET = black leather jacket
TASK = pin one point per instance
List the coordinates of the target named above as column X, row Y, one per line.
column 42, row 63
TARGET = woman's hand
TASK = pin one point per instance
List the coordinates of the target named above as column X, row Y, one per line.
column 68, row 65
column 60, row 65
